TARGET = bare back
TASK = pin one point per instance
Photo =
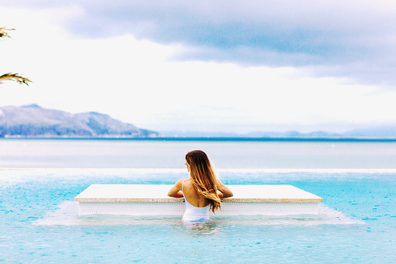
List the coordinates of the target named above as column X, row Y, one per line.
column 192, row 196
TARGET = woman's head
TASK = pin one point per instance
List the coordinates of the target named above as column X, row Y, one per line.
column 203, row 177
column 198, row 159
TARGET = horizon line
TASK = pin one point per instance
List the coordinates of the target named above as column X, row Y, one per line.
column 263, row 139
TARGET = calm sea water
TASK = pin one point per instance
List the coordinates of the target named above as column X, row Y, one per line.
column 32, row 153
column 39, row 220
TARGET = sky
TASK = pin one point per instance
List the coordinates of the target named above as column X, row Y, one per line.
column 230, row 66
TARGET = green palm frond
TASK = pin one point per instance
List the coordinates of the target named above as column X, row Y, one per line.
column 14, row 77
column 3, row 32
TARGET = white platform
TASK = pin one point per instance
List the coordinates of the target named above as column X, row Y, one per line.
column 129, row 199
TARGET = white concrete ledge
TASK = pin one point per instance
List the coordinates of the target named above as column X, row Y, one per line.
column 131, row 199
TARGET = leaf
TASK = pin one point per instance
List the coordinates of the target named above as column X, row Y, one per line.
column 14, row 77
column 3, row 32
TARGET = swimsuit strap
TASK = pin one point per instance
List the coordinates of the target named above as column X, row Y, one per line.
column 182, row 187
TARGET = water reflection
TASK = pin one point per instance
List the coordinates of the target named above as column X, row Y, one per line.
column 199, row 228
column 67, row 215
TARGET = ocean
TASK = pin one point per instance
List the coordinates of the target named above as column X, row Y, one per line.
column 40, row 224
column 167, row 153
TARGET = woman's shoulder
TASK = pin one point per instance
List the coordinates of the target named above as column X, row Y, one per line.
column 180, row 182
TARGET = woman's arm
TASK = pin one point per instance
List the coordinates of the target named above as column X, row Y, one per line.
column 175, row 190
column 224, row 192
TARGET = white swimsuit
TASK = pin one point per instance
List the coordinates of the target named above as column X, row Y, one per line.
column 193, row 213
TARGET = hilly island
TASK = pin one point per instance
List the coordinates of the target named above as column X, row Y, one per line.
column 35, row 121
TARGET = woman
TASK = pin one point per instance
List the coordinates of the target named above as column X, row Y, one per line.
column 202, row 191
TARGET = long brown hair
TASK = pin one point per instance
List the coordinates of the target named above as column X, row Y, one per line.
column 204, row 178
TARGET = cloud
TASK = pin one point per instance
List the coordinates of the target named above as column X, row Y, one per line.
column 151, row 85
column 353, row 39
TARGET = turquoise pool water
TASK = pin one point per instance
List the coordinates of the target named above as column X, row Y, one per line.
column 39, row 221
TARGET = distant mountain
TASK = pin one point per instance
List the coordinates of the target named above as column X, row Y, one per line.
column 255, row 134
column 374, row 132
column 35, row 121
column 293, row 134
column 381, row 132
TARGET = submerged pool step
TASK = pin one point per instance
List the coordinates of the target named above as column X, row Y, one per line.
column 135, row 199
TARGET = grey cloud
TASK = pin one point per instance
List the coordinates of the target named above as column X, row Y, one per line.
column 353, row 39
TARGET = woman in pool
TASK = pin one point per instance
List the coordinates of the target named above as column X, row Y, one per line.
column 202, row 191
